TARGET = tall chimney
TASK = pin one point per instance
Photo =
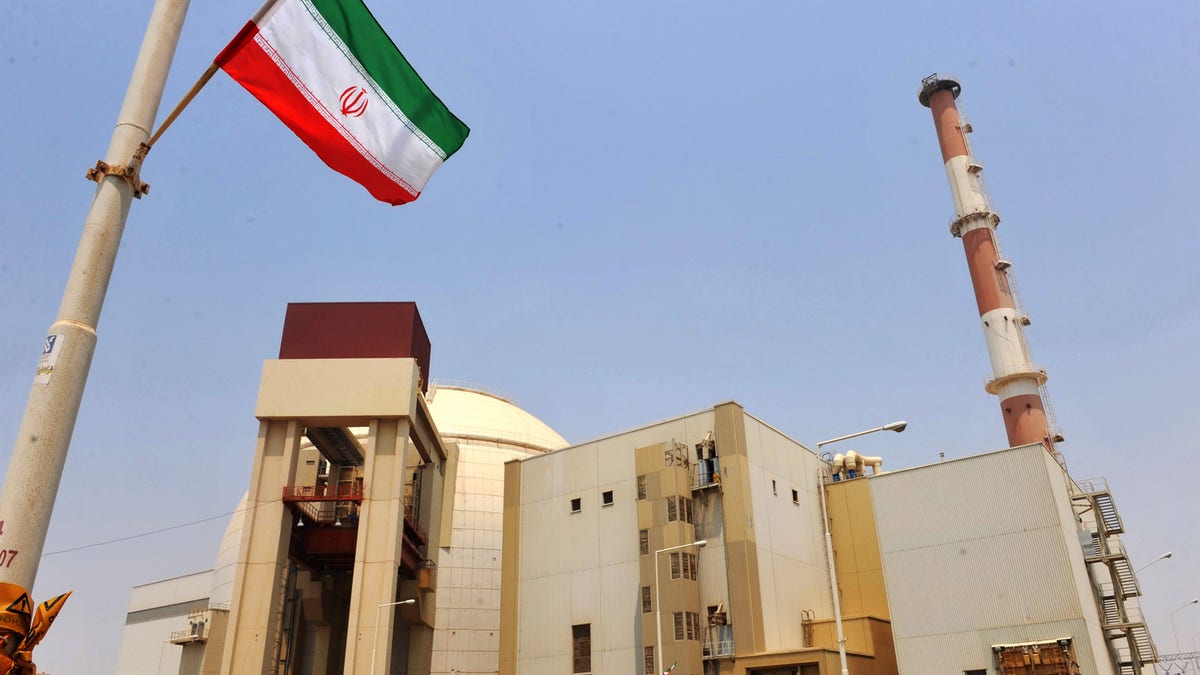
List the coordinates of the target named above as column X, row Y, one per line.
column 1015, row 380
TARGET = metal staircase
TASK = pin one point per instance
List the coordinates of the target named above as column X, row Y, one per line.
column 1120, row 615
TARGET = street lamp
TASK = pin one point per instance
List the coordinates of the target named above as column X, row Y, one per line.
column 894, row 426
column 658, row 595
column 1173, row 628
column 833, row 587
column 378, row 614
column 1161, row 557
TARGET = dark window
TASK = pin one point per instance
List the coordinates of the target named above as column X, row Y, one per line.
column 641, row 487
column 978, row 671
column 687, row 509
column 648, row 660
column 774, row 490
column 576, row 504
column 680, row 630
column 675, row 566
column 672, row 510
column 644, row 540
column 795, row 496
column 606, row 498
column 581, row 648
column 647, row 604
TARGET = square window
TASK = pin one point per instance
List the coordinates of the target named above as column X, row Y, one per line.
column 576, row 504
column 606, row 498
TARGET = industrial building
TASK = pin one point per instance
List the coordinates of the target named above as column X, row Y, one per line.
column 706, row 544
column 963, row 566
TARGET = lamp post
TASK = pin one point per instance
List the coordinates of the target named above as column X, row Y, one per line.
column 1173, row 628
column 658, row 595
column 1161, row 557
column 378, row 614
column 833, row 587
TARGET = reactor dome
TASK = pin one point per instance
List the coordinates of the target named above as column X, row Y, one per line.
column 470, row 414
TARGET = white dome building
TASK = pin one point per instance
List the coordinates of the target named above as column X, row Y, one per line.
column 489, row 430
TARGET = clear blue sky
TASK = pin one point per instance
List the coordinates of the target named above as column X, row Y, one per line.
column 662, row 205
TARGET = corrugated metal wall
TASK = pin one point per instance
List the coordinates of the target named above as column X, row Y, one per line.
column 975, row 553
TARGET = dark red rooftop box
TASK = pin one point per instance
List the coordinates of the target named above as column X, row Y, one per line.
column 355, row 330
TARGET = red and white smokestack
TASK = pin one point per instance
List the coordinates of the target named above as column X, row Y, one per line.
column 1014, row 380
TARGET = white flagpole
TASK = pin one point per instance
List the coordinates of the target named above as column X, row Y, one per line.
column 36, row 466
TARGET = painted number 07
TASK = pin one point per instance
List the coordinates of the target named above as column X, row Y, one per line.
column 7, row 557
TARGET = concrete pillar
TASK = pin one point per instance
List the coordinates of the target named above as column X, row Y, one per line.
column 380, row 540
column 262, row 565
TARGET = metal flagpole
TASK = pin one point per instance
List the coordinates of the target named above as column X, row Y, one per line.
column 36, row 466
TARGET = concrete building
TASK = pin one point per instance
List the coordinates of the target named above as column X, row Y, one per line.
column 995, row 563
column 599, row 561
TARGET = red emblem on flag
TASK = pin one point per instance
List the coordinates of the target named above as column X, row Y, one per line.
column 354, row 101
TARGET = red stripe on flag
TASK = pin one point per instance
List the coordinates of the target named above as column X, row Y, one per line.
column 246, row 62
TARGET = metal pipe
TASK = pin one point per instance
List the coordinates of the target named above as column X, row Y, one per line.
column 658, row 595
column 35, row 469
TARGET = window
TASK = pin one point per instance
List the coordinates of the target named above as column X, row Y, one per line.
column 672, row 510
column 687, row 625
column 644, row 537
column 648, row 660
column 576, row 504
column 683, row 566
column 687, row 509
column 795, row 496
column 647, row 603
column 978, row 671
column 581, row 648
column 641, row 487
column 774, row 490
column 606, row 498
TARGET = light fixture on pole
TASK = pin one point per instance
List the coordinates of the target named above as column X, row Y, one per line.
column 1161, row 557
column 894, row 426
column 658, row 596
column 833, row 586
column 1173, row 628
column 378, row 614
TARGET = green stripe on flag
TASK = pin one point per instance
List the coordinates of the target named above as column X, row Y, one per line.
column 357, row 27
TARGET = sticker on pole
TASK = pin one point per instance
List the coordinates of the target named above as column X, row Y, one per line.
column 50, row 352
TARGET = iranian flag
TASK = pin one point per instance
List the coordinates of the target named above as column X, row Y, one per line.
column 333, row 76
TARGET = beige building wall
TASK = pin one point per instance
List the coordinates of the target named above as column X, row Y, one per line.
column 980, row 551
column 763, row 565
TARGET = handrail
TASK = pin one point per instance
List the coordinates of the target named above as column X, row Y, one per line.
column 322, row 493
